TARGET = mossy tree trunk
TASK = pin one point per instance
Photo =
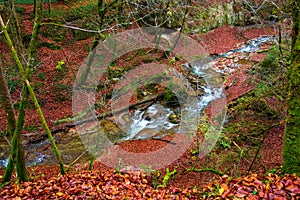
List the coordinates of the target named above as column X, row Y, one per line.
column 24, row 75
column 291, row 146
column 14, row 25
column 6, row 101
column 16, row 157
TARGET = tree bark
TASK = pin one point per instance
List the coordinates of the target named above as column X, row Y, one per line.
column 6, row 101
column 24, row 74
column 16, row 157
column 32, row 53
column 291, row 145
column 14, row 25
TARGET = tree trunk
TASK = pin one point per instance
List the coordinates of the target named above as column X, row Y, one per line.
column 5, row 99
column 291, row 145
column 49, row 8
column 32, row 53
column 16, row 157
column 14, row 25
column 25, row 73
column 17, row 152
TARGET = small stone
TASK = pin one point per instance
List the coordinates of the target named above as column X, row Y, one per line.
column 172, row 116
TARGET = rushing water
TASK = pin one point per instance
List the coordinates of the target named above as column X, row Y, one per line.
column 252, row 46
column 211, row 92
column 155, row 117
column 37, row 159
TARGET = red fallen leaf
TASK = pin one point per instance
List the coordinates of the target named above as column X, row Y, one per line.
column 224, row 186
column 137, row 193
column 267, row 187
column 184, row 198
column 257, row 182
column 226, row 193
column 279, row 197
column 128, row 186
column 261, row 194
column 248, row 189
column 85, row 187
column 106, row 177
column 248, row 183
column 287, row 182
column 253, row 198
column 292, row 188
column 279, row 185
column 297, row 182
column 21, row 192
column 127, row 181
column 59, row 194
column 241, row 193
column 145, row 181
column 280, row 192
column 270, row 196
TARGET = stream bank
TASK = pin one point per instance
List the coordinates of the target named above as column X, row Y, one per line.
column 70, row 145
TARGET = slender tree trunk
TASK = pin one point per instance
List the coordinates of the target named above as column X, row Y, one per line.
column 32, row 50
column 7, row 103
column 19, row 159
column 9, row 170
column 49, row 8
column 291, row 145
column 24, row 74
column 16, row 157
column 14, row 25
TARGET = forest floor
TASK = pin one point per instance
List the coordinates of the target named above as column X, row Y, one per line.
column 238, row 173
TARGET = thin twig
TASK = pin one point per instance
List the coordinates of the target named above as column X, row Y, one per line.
column 72, row 163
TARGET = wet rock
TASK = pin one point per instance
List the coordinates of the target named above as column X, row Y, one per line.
column 146, row 134
column 112, row 130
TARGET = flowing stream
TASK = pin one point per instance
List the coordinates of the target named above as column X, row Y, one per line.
column 156, row 117
column 160, row 115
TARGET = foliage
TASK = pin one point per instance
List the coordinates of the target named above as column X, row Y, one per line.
column 82, row 16
column 159, row 181
column 50, row 45
column 270, row 63
column 251, row 114
column 59, row 65
column 79, row 12
column 168, row 175
column 62, row 91
column 12, row 84
column 252, row 187
column 61, row 70
column 55, row 33
column 85, row 17
column 225, row 142
column 26, row 1
column 167, row 14
column 42, row 76
column 20, row 10
column 171, row 98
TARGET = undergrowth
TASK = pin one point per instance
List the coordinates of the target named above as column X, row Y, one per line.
column 251, row 117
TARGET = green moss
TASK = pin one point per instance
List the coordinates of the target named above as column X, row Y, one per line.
column 291, row 145
column 50, row 45
column 55, row 33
